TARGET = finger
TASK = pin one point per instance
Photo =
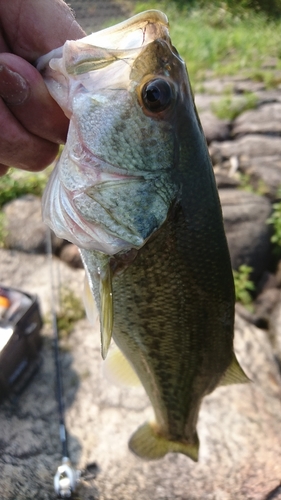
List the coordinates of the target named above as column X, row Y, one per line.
column 3, row 169
column 21, row 149
column 34, row 27
column 25, row 93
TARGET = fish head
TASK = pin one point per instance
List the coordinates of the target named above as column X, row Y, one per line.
column 123, row 89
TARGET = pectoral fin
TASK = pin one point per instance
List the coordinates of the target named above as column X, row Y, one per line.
column 106, row 309
column 234, row 374
column 149, row 445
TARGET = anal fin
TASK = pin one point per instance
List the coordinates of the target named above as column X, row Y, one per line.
column 118, row 370
column 234, row 374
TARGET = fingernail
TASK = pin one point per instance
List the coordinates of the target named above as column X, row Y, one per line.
column 14, row 89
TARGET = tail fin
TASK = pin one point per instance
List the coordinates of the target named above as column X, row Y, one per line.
column 149, row 445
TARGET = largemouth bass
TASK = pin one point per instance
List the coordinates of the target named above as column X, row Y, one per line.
column 134, row 189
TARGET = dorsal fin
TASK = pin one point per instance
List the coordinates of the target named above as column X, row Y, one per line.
column 234, row 374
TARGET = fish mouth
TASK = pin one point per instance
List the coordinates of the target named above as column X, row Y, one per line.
column 133, row 33
column 90, row 201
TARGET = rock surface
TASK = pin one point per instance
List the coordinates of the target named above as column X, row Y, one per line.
column 264, row 173
column 264, row 120
column 24, row 228
column 251, row 146
column 245, row 215
column 214, row 128
column 239, row 426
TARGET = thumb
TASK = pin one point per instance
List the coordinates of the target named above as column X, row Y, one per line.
column 24, row 92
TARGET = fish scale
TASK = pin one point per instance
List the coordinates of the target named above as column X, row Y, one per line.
column 166, row 305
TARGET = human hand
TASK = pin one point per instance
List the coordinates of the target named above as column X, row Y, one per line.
column 31, row 123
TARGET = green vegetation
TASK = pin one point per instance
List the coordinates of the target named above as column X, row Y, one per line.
column 228, row 108
column 18, row 183
column 3, row 231
column 275, row 220
column 224, row 38
column 71, row 310
column 243, row 285
column 257, row 186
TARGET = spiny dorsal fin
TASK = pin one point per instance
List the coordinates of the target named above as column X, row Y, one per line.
column 149, row 445
column 90, row 303
column 106, row 308
column 234, row 374
column 118, row 370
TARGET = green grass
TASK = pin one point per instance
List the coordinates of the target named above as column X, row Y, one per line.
column 275, row 221
column 246, row 183
column 18, row 183
column 217, row 40
column 243, row 285
column 70, row 311
column 229, row 108
column 3, row 230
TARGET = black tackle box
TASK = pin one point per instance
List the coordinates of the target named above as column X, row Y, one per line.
column 20, row 340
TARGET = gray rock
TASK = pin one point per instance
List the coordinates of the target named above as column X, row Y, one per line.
column 212, row 92
column 205, row 102
column 278, row 274
column 264, row 173
column 238, row 428
column 235, row 84
column 32, row 273
column 265, row 305
column 268, row 281
column 251, row 145
column 247, row 233
column 214, row 128
column 71, row 256
column 246, row 85
column 268, row 96
column 24, row 228
column 264, row 120
column 224, row 181
column 275, row 329
column 233, row 103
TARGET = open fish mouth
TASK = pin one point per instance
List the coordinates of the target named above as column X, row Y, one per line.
column 132, row 33
column 96, row 198
column 80, row 59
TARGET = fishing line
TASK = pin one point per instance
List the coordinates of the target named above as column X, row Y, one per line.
column 66, row 477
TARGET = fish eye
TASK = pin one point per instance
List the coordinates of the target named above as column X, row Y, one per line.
column 157, row 95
